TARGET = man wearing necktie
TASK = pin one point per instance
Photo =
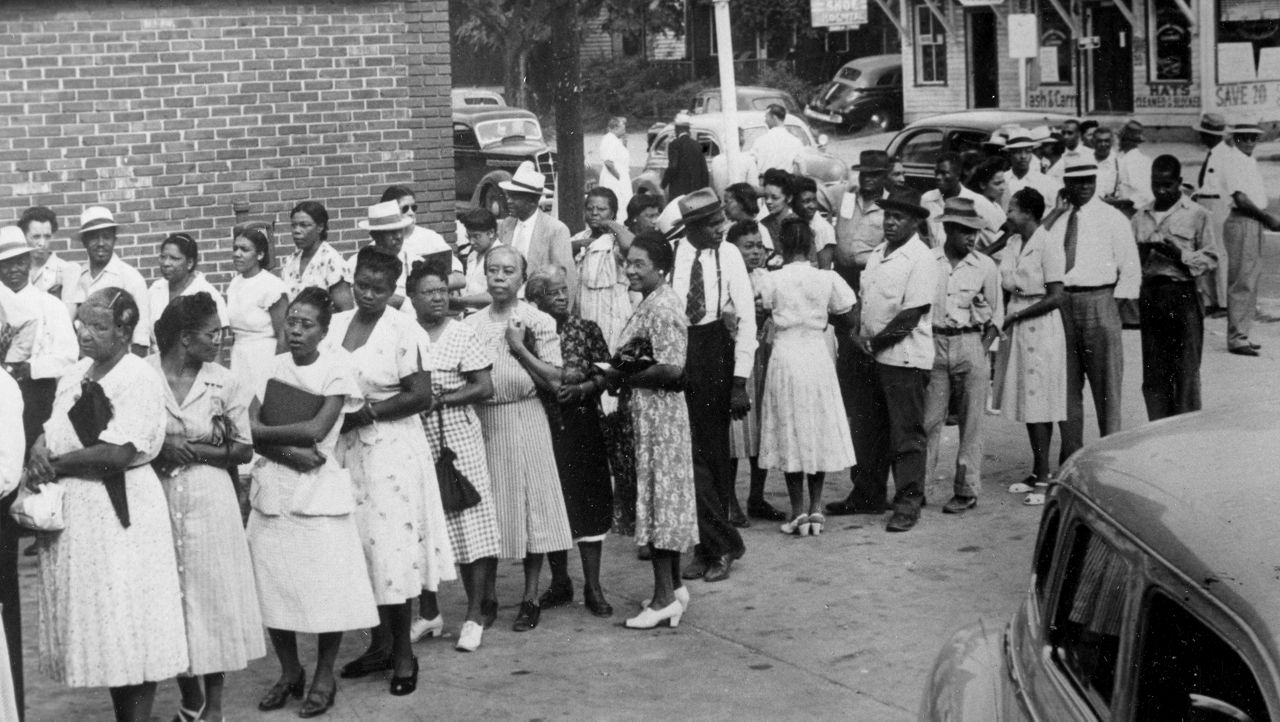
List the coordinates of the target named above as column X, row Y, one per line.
column 712, row 277
column 1101, row 267
column 1212, row 129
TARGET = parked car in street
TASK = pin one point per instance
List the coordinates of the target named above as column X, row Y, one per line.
column 866, row 92
column 477, row 96
column 750, row 97
column 1154, row 592
column 489, row 143
column 919, row 144
column 814, row 160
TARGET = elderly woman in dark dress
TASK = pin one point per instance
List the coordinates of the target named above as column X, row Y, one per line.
column 577, row 438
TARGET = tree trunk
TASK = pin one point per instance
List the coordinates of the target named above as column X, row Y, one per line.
column 567, row 92
column 513, row 73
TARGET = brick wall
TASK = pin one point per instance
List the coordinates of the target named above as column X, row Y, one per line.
column 169, row 111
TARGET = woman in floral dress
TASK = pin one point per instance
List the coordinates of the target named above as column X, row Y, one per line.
column 315, row 262
column 664, row 515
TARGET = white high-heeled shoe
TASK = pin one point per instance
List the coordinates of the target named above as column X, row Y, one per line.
column 469, row 637
column 682, row 596
column 649, row 617
column 426, row 628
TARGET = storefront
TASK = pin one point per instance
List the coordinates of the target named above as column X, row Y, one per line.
column 1162, row 61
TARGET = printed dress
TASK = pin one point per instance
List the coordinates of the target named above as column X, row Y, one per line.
column 660, row 509
column 398, row 508
column 1031, row 370
column 303, row 539
column 473, row 533
column 219, row 597
column 803, row 427
column 109, row 598
column 325, row 270
column 517, row 441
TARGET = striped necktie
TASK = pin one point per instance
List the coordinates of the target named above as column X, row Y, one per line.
column 696, row 305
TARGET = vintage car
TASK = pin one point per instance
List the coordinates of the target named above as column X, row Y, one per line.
column 1154, row 592
column 866, row 92
column 477, row 96
column 750, row 97
column 919, row 144
column 489, row 143
column 706, row 129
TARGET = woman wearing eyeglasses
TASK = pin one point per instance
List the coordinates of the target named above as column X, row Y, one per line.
column 179, row 257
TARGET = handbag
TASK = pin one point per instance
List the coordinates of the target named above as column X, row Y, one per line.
column 456, row 493
column 89, row 416
column 41, row 509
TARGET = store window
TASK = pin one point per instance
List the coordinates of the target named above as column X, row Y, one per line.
column 1248, row 41
column 1056, row 47
column 1171, row 41
column 931, row 48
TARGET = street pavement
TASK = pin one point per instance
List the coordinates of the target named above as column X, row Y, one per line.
column 840, row 626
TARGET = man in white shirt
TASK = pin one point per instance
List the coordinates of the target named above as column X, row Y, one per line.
column 1071, row 146
column 615, row 160
column 712, row 278
column 1108, row 167
column 1212, row 129
column 1101, row 268
column 1133, row 183
column 1241, row 182
column 777, row 148
column 946, row 170
column 107, row 270
column 49, row 272
column 1024, row 169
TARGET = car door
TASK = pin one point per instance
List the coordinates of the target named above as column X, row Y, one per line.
column 468, row 161
column 917, row 149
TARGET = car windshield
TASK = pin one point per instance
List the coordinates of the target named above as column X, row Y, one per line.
column 850, row 74
column 750, row 134
column 494, row 131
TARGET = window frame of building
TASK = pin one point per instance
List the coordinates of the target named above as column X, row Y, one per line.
column 1241, row 32
column 923, row 20
column 1051, row 22
column 1162, row 14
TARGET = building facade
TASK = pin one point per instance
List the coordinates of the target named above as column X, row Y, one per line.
column 170, row 112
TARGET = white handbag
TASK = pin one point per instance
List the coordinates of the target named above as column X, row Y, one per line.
column 41, row 509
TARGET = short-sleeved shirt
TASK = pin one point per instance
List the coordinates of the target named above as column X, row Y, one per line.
column 968, row 295
column 859, row 228
column 1105, row 251
column 54, row 346
column 118, row 274
column 801, row 296
column 325, row 270
column 1027, row 266
column 158, row 299
column 249, row 302
column 1240, row 174
column 1187, row 226
column 892, row 283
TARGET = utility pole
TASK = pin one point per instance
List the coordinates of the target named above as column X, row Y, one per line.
column 728, row 88
column 567, row 93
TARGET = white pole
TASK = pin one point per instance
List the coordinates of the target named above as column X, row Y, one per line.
column 728, row 89
column 1022, row 82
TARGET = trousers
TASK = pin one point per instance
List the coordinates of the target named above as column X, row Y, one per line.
column 959, row 363
column 1243, row 238
column 708, row 386
column 1172, row 342
column 1091, row 324
column 888, row 434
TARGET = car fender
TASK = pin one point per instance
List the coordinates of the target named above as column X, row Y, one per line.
column 968, row 681
column 821, row 167
column 490, row 180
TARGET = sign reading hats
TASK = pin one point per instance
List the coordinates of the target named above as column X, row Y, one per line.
column 962, row 211
column 385, row 217
column 905, row 200
column 96, row 217
column 526, row 180
column 13, row 243
column 700, row 204
column 873, row 161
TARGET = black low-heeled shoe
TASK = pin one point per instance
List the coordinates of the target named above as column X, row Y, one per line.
column 596, row 603
column 365, row 664
column 401, row 686
column 279, row 694
column 488, row 612
column 317, row 703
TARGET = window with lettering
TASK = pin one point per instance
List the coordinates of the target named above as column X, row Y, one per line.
column 1248, row 45
column 1170, row 45
column 1056, row 47
column 931, row 48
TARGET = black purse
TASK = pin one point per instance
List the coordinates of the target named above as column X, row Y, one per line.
column 90, row 415
column 456, row 493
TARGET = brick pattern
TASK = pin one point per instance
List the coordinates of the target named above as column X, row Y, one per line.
column 168, row 112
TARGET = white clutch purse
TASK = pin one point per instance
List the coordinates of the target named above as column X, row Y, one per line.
column 41, row 509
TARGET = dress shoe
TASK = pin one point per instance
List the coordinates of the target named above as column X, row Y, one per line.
column 280, row 693
column 426, row 628
column 648, row 618
column 1255, row 346
column 816, row 522
column 761, row 509
column 1244, row 351
column 718, row 569
column 794, row 526
column 738, row 519
column 557, row 595
column 527, row 617
column 366, row 664
column 317, row 703
column 488, row 612
column 695, row 569
column 469, row 637
column 846, row 507
column 402, row 686
column 959, row 504
column 901, row 521
column 596, row 603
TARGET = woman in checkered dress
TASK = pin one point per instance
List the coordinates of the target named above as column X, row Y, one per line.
column 459, row 368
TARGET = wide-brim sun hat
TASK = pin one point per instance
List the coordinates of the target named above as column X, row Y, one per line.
column 94, row 218
column 526, row 179
column 385, row 217
column 13, row 243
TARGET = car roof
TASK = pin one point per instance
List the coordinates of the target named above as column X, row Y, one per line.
column 1200, row 491
column 748, row 90
column 480, row 113
column 874, row 62
column 746, row 119
column 989, row 120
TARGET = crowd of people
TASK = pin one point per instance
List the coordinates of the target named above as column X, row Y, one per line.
column 413, row 413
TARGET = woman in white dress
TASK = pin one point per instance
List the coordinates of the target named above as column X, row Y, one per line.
column 603, row 297
column 803, row 427
column 303, row 537
column 179, row 256
column 256, row 300
column 109, row 598
column 206, row 433
column 615, row 160
column 398, row 512
column 1031, row 370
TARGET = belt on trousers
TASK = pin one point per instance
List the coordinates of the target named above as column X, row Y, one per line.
column 1087, row 289
column 941, row 331
column 1165, row 281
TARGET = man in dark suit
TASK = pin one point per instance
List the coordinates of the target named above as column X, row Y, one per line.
column 686, row 165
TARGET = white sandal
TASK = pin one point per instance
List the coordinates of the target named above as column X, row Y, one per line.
column 1034, row 499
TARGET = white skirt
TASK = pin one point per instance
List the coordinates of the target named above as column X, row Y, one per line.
column 803, row 427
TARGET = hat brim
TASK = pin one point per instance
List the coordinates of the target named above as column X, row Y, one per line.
column 513, row 188
column 1208, row 131
column 403, row 223
column 919, row 212
column 97, row 227
column 976, row 224
column 701, row 213
column 14, row 253
column 1248, row 131
column 1022, row 145
column 871, row 168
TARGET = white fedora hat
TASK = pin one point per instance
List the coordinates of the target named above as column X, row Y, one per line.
column 95, row 217
column 385, row 217
column 526, row 180
column 13, row 243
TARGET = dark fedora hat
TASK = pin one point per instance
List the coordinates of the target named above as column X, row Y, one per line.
column 873, row 161
column 905, row 200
